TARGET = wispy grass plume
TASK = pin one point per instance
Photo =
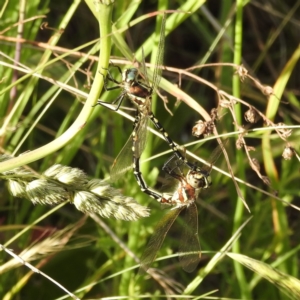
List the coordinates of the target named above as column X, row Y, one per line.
column 61, row 183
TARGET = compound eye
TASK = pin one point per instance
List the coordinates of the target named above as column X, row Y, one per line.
column 196, row 180
column 199, row 179
column 201, row 183
column 130, row 75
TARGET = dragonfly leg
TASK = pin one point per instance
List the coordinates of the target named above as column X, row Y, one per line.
column 110, row 88
column 119, row 100
column 109, row 77
column 115, row 66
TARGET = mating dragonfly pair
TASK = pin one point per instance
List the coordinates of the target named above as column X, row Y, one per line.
column 136, row 86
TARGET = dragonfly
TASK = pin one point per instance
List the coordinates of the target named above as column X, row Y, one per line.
column 183, row 199
column 137, row 88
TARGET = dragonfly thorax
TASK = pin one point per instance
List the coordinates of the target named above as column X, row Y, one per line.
column 136, row 90
column 185, row 193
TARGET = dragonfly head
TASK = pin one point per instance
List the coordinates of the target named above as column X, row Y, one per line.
column 199, row 179
column 130, row 75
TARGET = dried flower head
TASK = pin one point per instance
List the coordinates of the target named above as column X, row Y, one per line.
column 250, row 148
column 239, row 144
column 288, row 152
column 225, row 103
column 214, row 114
column 205, row 128
column 286, row 132
column 266, row 180
column 251, row 115
column 242, row 72
column 199, row 128
column 267, row 90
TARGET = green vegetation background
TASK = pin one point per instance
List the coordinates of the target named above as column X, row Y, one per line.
column 263, row 36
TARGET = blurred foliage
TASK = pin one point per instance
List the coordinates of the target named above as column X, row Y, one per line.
column 93, row 259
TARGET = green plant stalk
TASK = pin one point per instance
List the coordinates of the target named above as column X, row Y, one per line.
column 67, row 153
column 274, row 36
column 162, row 5
column 20, row 233
column 283, row 281
column 238, row 36
column 125, row 281
column 14, row 115
column 215, row 260
column 19, row 136
column 34, row 122
column 125, row 16
column 221, row 34
column 289, row 255
column 175, row 19
column 279, row 214
column 44, row 104
column 104, row 18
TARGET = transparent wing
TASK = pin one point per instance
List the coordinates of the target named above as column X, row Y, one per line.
column 143, row 68
column 123, row 162
column 157, row 238
column 213, row 158
column 141, row 136
column 189, row 247
column 160, row 55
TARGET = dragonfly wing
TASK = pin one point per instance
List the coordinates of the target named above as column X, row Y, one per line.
column 143, row 68
column 160, row 55
column 189, row 247
column 140, row 136
column 214, row 156
column 124, row 160
column 157, row 238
